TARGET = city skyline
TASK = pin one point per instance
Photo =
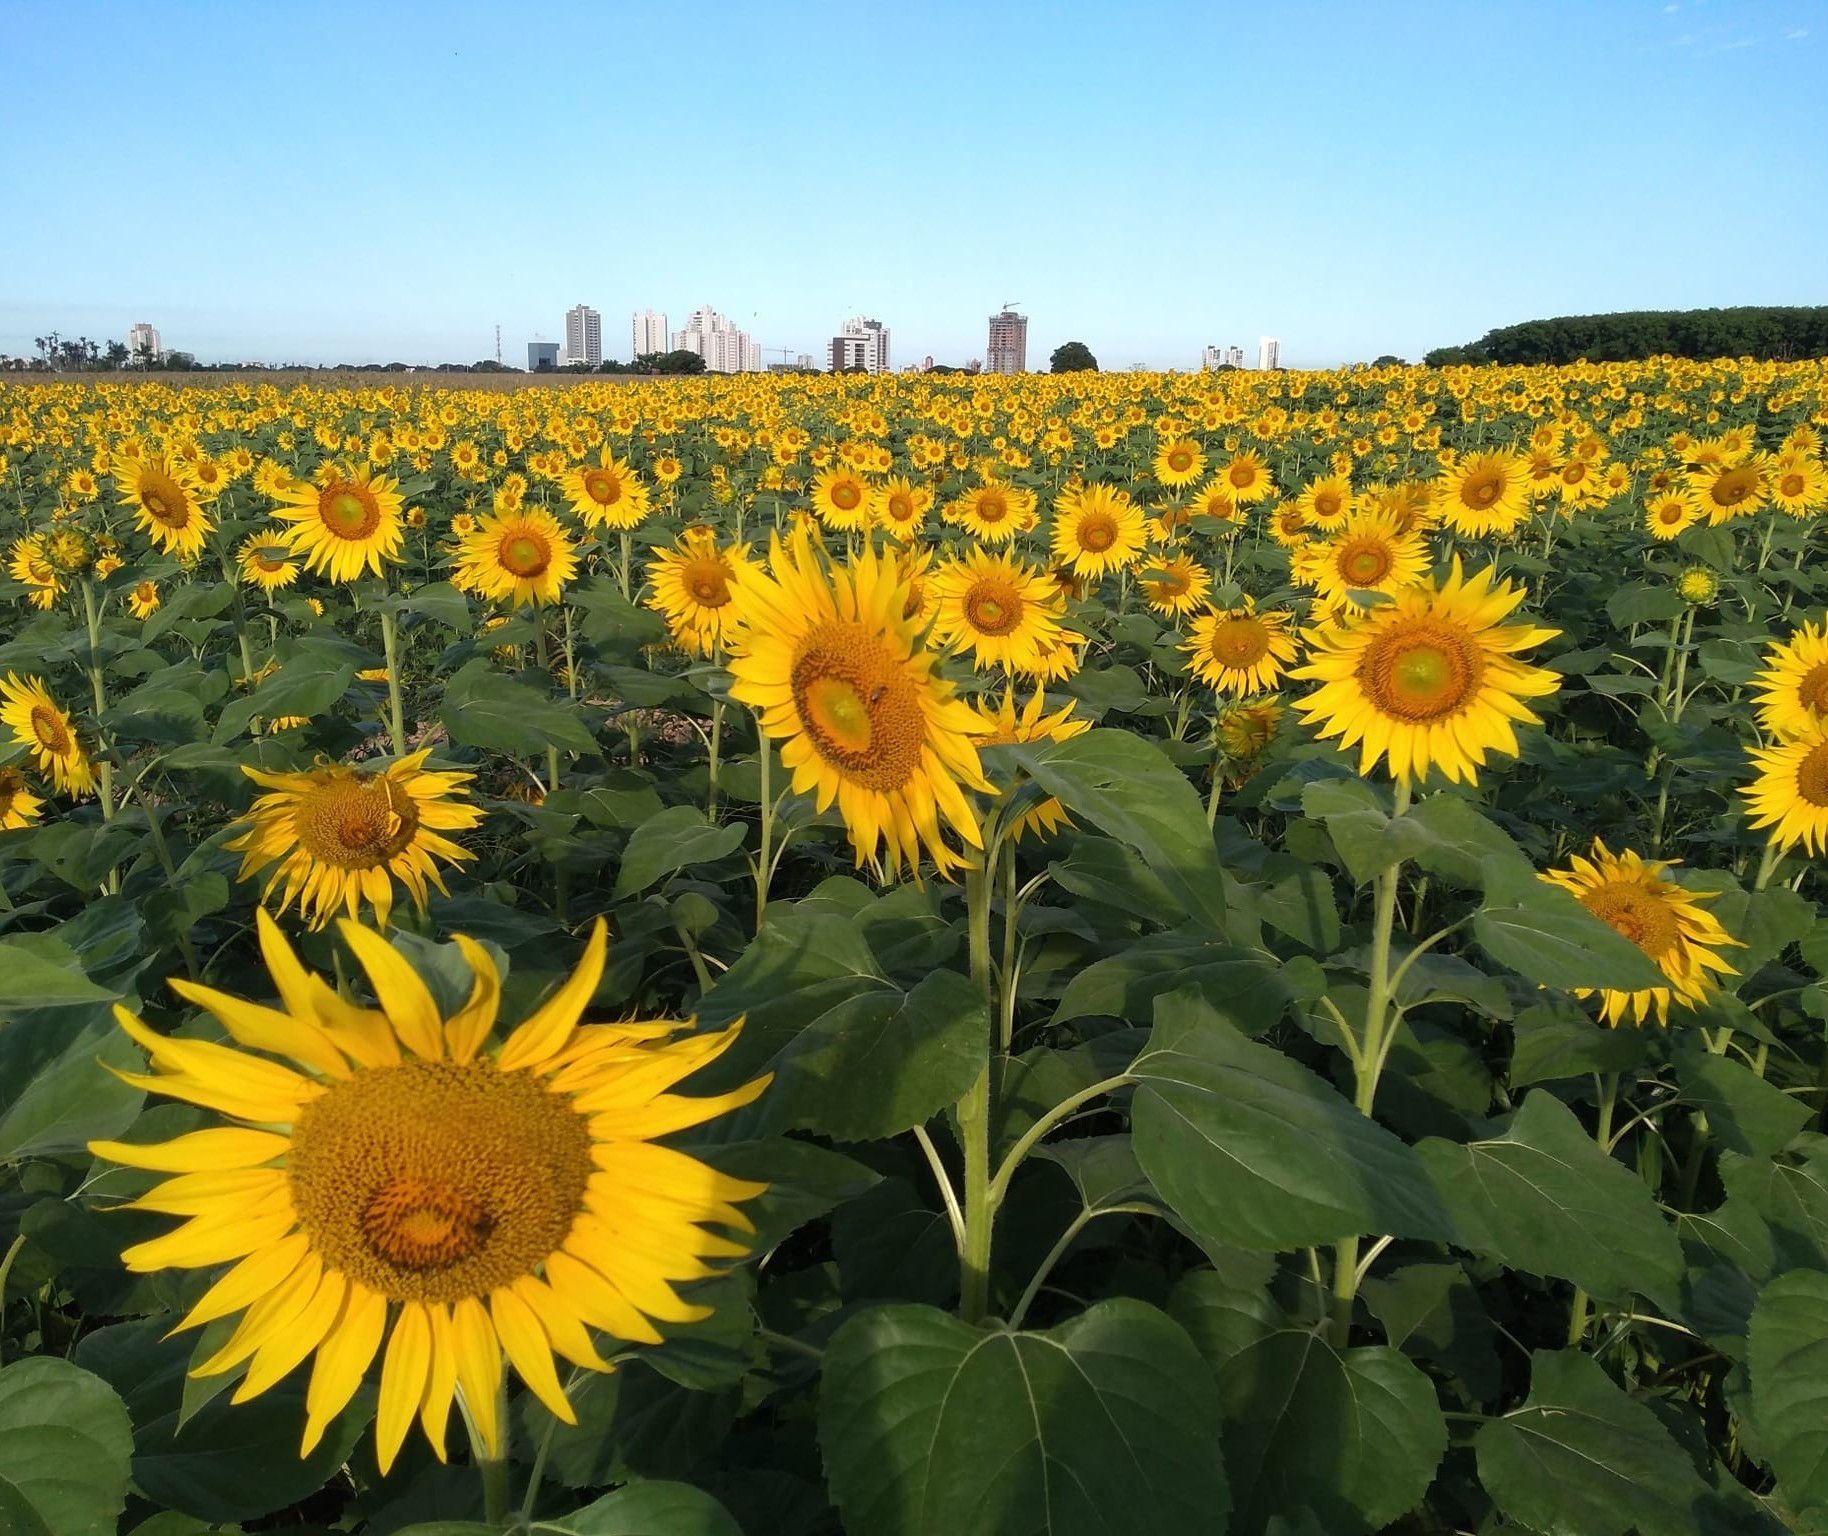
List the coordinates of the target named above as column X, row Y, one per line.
column 1344, row 243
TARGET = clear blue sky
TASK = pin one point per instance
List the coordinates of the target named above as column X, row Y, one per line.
column 377, row 181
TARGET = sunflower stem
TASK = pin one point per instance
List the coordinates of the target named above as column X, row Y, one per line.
column 764, row 867
column 1767, row 866
column 628, row 557
column 6, row 1267
column 390, row 649
column 1380, row 1027
column 974, row 1108
column 105, row 768
column 1607, row 1086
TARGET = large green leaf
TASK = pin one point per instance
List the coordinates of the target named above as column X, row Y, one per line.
column 1543, row 1197
column 1789, row 1364
column 1125, row 785
column 1355, row 1437
column 56, row 1094
column 855, row 1056
column 65, row 1441
column 307, row 684
column 44, row 974
column 931, row 1427
column 1744, row 1112
column 1252, row 1149
column 1580, row 1458
column 1256, row 987
column 677, row 838
column 639, row 1509
column 482, row 708
column 1545, row 935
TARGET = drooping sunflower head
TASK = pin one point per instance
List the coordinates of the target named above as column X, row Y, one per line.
column 46, row 732
column 836, row 671
column 161, row 493
column 19, row 807
column 1429, row 679
column 337, row 837
column 388, row 1170
column 349, row 521
column 692, row 586
column 1008, row 726
column 1005, row 610
column 1662, row 918
column 1098, row 529
column 1239, row 651
column 519, row 557
column 1792, row 687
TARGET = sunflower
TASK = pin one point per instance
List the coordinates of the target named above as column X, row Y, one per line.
column 19, row 807
column 691, row 586
column 339, row 835
column 1179, row 462
column 348, row 522
column 900, row 506
column 1665, row 921
column 1245, row 732
column 1799, row 484
column 1670, row 512
column 265, row 560
column 31, row 567
column 143, row 600
column 1098, row 529
column 993, row 513
column 1698, row 585
column 842, row 500
column 385, row 1165
column 1327, row 502
column 1792, row 689
column 162, row 495
column 1790, row 795
column 1240, row 651
column 1726, row 492
column 45, row 731
column 1174, row 584
column 1005, row 609
column 520, row 557
column 1369, row 554
column 1485, row 493
column 1007, row 727
column 606, row 494
column 837, row 674
column 1214, row 500
column 1428, row 678
column 1246, row 476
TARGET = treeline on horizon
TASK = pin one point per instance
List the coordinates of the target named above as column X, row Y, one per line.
column 1779, row 333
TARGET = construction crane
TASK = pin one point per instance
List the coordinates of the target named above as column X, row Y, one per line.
column 1009, row 305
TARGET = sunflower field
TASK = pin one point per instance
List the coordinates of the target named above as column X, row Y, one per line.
column 1229, row 953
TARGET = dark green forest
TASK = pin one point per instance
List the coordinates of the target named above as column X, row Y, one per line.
column 1761, row 331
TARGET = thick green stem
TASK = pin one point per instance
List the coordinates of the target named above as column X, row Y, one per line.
column 6, row 1268
column 1380, row 1029
column 1006, row 1014
column 104, row 767
column 396, row 710
column 764, row 866
column 1607, row 1084
column 974, row 1108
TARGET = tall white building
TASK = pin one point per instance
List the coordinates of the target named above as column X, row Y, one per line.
column 861, row 346
column 583, row 335
column 143, row 341
column 1269, row 353
column 1235, row 356
column 724, row 348
column 1210, row 358
column 649, row 332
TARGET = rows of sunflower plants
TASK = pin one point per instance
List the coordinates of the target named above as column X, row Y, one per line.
column 1235, row 953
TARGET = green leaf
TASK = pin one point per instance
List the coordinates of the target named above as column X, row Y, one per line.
column 1545, row 935
column 29, row 978
column 1355, row 1437
column 442, row 602
column 632, row 1423
column 1252, row 1149
column 55, row 1093
column 1432, row 1313
column 1643, row 603
column 647, row 1509
column 1356, row 821
column 676, row 839
column 314, row 678
column 1582, row 1458
column 1256, row 987
column 65, row 1442
column 1744, row 1112
column 1126, row 786
column 1789, row 1364
column 1543, row 1197
column 1558, row 1040
column 1227, row 1309
column 1449, row 838
column 482, row 708
column 931, row 1427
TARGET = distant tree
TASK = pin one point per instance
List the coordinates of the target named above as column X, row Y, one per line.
column 677, row 361
column 1388, row 360
column 117, row 354
column 1776, row 332
column 490, row 365
column 1073, row 357
column 177, row 362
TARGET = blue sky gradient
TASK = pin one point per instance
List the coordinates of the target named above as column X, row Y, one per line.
column 324, row 182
